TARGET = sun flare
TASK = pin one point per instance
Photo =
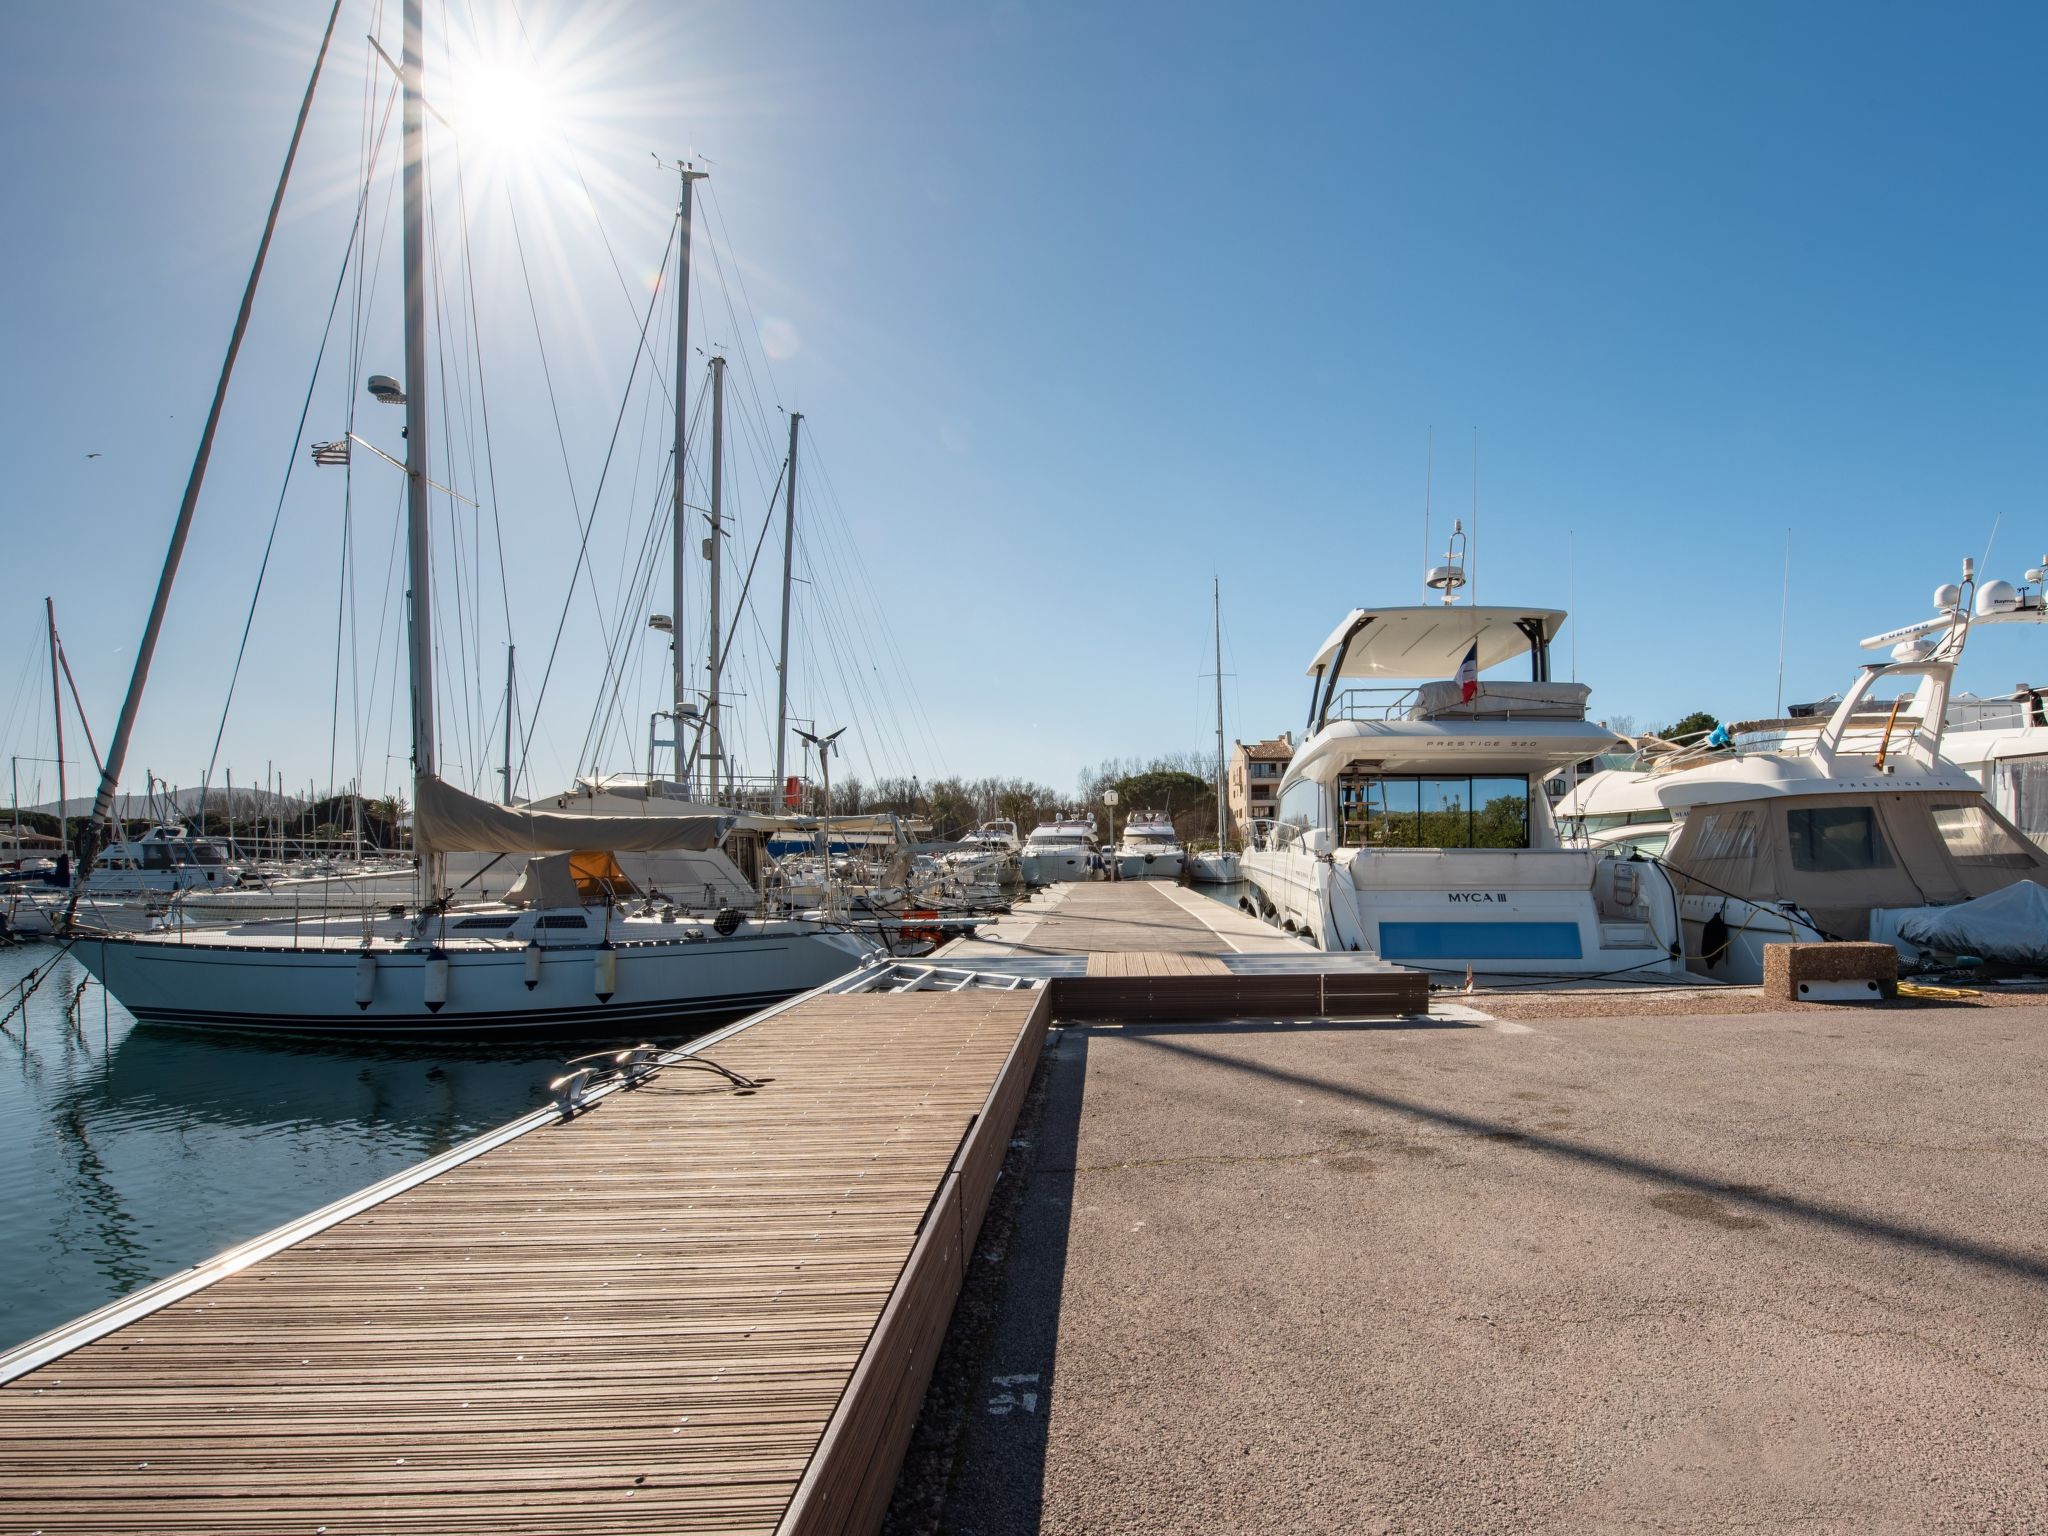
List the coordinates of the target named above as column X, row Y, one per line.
column 508, row 109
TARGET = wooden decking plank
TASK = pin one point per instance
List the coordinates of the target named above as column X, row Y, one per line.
column 651, row 1312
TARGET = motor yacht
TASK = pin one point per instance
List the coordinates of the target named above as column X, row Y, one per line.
column 1410, row 825
column 1149, row 849
column 1804, row 830
column 1062, row 849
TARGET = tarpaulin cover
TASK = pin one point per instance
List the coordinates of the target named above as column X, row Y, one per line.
column 446, row 820
column 2009, row 925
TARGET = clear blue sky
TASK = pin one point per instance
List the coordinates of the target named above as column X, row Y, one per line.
column 1083, row 304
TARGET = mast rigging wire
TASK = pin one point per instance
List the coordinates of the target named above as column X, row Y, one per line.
column 117, row 752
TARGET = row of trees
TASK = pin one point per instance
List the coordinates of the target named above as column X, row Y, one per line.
column 1179, row 786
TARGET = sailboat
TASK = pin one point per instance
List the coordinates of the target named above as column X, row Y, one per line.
column 576, row 947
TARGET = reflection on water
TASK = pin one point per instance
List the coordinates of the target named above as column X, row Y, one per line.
column 129, row 1153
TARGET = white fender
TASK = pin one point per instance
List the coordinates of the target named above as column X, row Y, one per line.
column 366, row 979
column 532, row 964
column 604, row 970
column 436, row 981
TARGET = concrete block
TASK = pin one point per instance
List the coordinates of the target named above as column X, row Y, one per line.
column 1799, row 973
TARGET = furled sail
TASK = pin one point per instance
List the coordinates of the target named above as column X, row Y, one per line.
column 446, row 820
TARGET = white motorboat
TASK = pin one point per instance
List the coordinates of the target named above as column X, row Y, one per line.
column 1149, row 849
column 166, row 858
column 1798, row 831
column 989, row 854
column 2003, row 744
column 1062, row 849
column 1407, row 826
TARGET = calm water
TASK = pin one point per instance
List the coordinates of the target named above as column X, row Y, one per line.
column 129, row 1153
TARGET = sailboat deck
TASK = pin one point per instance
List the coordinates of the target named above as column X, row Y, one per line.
column 688, row 1308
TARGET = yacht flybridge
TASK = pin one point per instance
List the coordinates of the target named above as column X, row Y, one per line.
column 1858, row 827
column 1411, row 823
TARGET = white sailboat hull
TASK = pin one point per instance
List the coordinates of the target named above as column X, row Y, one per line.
column 661, row 986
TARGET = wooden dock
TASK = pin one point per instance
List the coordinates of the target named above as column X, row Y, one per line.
column 687, row 1299
column 689, row 1308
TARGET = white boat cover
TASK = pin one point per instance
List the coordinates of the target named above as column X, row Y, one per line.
column 1431, row 641
column 446, row 820
column 2009, row 925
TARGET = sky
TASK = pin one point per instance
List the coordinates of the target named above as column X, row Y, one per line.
column 1083, row 306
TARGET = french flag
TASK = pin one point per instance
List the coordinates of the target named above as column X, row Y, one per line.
column 1468, row 675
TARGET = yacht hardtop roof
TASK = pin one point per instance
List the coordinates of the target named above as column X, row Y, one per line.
column 1431, row 641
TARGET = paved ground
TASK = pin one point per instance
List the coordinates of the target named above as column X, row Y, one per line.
column 1074, row 918
column 1784, row 1271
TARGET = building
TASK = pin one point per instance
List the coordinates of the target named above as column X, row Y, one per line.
column 1255, row 773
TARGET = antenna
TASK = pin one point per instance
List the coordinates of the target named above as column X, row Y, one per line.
column 1784, row 607
column 1475, row 515
column 1428, row 485
column 1571, row 587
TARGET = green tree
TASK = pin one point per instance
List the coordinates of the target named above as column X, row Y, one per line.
column 1698, row 723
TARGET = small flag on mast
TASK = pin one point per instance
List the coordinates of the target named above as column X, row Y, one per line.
column 1468, row 675
column 331, row 453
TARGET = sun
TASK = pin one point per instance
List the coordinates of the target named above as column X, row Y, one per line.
column 507, row 109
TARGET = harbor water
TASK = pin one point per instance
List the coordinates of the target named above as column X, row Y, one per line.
column 127, row 1154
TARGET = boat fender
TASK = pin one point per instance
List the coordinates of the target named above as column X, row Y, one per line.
column 604, row 969
column 726, row 923
column 366, row 979
column 435, row 980
column 532, row 964
column 1714, row 939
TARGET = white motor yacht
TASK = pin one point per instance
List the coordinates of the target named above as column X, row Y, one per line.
column 165, row 858
column 988, row 854
column 1407, row 826
column 1798, row 831
column 2003, row 744
column 1149, row 849
column 1062, row 849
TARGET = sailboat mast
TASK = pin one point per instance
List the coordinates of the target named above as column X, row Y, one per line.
column 1217, row 596
column 511, row 656
column 419, row 529
column 713, row 748
column 788, row 554
column 680, row 523
column 57, row 709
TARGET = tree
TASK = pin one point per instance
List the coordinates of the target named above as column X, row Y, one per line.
column 1698, row 723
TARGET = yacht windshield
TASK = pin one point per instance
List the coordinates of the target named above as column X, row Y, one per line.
column 1401, row 811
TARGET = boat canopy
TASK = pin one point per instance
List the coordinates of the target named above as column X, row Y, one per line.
column 570, row 880
column 446, row 820
column 1432, row 641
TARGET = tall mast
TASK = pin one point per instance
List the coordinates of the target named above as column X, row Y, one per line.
column 511, row 656
column 1217, row 583
column 419, row 530
column 57, row 709
column 680, row 522
column 713, row 552
column 124, row 725
column 788, row 553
